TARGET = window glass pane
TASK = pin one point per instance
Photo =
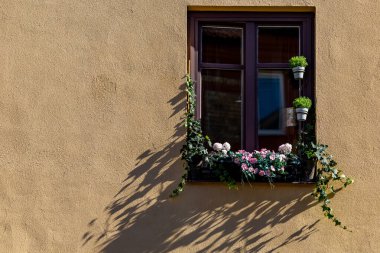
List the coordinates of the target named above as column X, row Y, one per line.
column 276, row 91
column 222, row 45
column 277, row 44
column 221, row 105
column 271, row 102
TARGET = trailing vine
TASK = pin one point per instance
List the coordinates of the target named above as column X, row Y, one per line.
column 194, row 150
column 327, row 175
column 329, row 179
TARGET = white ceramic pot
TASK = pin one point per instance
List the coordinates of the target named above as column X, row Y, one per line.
column 298, row 72
column 301, row 113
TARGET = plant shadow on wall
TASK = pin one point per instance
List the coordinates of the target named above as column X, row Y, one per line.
column 142, row 218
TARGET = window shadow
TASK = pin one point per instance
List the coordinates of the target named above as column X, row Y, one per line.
column 205, row 217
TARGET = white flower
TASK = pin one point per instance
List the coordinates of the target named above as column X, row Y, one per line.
column 282, row 157
column 224, row 151
column 285, row 148
column 217, row 146
column 226, row 146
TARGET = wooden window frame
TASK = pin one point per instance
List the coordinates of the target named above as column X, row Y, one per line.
column 250, row 21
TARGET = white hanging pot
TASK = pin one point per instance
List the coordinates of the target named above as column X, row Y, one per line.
column 298, row 72
column 301, row 113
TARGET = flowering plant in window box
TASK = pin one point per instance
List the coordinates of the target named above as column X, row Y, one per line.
column 249, row 165
column 260, row 163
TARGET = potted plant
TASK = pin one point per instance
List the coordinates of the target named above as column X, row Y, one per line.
column 302, row 105
column 298, row 65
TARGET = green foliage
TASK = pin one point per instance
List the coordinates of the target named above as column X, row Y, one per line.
column 305, row 140
column 302, row 102
column 221, row 165
column 330, row 180
column 298, row 61
column 195, row 141
column 194, row 147
column 180, row 186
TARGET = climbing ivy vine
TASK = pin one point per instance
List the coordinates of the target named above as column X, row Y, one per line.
column 330, row 180
column 194, row 150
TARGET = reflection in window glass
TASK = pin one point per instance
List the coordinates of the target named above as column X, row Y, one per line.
column 221, row 105
column 222, row 44
column 277, row 44
column 270, row 102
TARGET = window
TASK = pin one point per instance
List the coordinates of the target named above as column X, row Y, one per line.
column 244, row 84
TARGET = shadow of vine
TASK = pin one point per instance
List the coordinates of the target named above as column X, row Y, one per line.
column 207, row 217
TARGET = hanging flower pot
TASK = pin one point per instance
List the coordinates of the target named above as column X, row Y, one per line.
column 302, row 105
column 298, row 65
column 301, row 113
column 298, row 72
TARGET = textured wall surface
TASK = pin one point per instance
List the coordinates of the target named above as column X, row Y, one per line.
column 90, row 127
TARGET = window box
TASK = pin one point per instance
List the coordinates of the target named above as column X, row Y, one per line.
column 297, row 173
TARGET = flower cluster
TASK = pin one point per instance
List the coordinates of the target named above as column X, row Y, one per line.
column 219, row 147
column 285, row 149
column 262, row 163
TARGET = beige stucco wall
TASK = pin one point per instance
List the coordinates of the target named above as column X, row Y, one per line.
column 90, row 110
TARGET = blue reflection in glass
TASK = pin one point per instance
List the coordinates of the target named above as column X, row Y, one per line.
column 270, row 102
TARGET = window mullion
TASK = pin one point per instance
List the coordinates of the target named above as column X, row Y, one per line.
column 220, row 66
column 250, row 89
column 272, row 65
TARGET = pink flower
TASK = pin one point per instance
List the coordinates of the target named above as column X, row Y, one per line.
column 243, row 157
column 272, row 157
column 237, row 161
column 252, row 160
column 267, row 173
column 272, row 168
column 261, row 173
column 241, row 151
column 282, row 169
column 263, row 151
column 255, row 170
column 250, row 169
column 244, row 166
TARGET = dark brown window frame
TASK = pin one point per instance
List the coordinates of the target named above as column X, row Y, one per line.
column 250, row 20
